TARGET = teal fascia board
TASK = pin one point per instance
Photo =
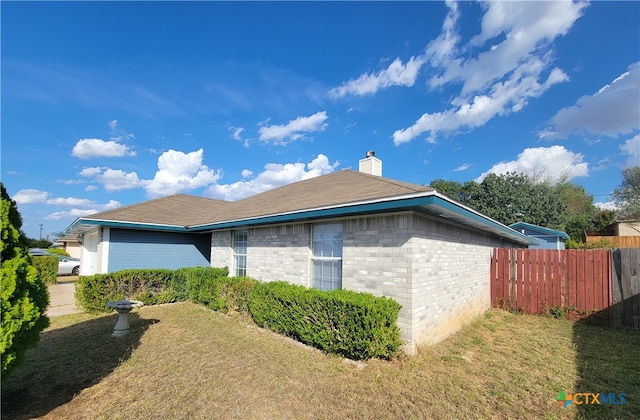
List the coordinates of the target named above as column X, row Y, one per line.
column 321, row 213
column 540, row 229
column 128, row 225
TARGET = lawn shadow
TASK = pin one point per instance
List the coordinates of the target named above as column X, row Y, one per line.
column 607, row 362
column 66, row 361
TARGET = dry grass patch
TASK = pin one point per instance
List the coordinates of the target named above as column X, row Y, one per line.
column 182, row 361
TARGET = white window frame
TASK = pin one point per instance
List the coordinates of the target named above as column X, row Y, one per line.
column 330, row 260
column 238, row 269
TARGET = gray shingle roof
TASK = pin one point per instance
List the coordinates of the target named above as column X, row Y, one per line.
column 337, row 188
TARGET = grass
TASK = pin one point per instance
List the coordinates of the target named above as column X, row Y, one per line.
column 182, row 361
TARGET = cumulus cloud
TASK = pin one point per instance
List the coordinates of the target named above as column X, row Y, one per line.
column 396, row 74
column 80, row 206
column 96, row 148
column 30, row 196
column 113, row 179
column 611, row 111
column 246, row 173
column 499, row 70
column 606, row 205
column 543, row 164
column 274, row 175
column 294, row 129
column 178, row 172
column 632, row 148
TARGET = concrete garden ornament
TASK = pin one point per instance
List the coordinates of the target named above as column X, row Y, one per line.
column 123, row 307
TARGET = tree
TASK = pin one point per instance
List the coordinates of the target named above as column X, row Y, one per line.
column 580, row 208
column 24, row 296
column 627, row 195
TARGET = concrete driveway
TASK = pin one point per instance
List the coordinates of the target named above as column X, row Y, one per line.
column 62, row 299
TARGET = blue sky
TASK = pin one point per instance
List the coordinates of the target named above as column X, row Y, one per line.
column 110, row 104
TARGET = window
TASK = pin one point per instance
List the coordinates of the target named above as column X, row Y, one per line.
column 327, row 256
column 240, row 252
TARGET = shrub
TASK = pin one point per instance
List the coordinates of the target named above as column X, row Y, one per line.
column 151, row 286
column 230, row 294
column 58, row 251
column 24, row 297
column 354, row 325
column 47, row 268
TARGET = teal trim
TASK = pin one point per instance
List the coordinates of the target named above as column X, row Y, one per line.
column 320, row 214
column 130, row 225
column 428, row 204
column 540, row 229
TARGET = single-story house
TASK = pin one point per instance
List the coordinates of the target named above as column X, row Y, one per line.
column 347, row 229
column 70, row 245
column 547, row 238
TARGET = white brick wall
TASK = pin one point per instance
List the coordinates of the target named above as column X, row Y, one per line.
column 437, row 271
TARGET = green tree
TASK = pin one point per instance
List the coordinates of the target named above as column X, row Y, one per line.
column 579, row 207
column 627, row 195
column 24, row 297
column 603, row 219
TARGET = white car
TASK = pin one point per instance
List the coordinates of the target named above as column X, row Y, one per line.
column 66, row 266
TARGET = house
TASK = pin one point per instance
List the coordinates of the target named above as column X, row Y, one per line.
column 547, row 238
column 70, row 245
column 348, row 229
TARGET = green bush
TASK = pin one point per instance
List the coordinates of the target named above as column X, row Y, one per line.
column 24, row 297
column 58, row 251
column 47, row 268
column 231, row 294
column 151, row 286
column 354, row 325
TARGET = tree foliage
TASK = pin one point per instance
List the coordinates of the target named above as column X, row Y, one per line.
column 627, row 195
column 24, row 297
column 513, row 197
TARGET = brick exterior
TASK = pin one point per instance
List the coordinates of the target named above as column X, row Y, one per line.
column 437, row 271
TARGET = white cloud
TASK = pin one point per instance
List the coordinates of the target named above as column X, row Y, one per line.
column 95, row 148
column 396, row 74
column 30, row 196
column 274, row 175
column 236, row 134
column 543, row 164
column 613, row 110
column 632, row 148
column 246, row 173
column 179, row 172
column 607, row 205
column 463, row 167
column 500, row 69
column 294, row 129
column 504, row 98
column 82, row 206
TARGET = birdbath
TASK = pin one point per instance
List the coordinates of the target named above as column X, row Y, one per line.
column 123, row 307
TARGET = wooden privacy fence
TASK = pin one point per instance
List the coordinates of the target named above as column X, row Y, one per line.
column 617, row 241
column 626, row 288
column 536, row 280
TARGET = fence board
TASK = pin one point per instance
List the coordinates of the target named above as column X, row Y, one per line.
column 534, row 280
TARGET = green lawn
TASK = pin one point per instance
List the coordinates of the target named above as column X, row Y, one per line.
column 182, row 361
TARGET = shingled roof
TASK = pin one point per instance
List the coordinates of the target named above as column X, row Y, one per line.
column 337, row 188
column 174, row 210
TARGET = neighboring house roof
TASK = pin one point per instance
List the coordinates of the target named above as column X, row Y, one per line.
column 342, row 193
column 519, row 226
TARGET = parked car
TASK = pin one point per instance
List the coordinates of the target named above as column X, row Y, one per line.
column 66, row 265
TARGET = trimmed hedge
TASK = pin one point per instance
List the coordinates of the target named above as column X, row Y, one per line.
column 47, row 267
column 151, row 286
column 354, row 325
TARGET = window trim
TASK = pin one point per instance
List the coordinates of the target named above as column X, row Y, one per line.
column 236, row 269
column 315, row 258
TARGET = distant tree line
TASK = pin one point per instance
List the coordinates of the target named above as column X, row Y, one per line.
column 563, row 205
